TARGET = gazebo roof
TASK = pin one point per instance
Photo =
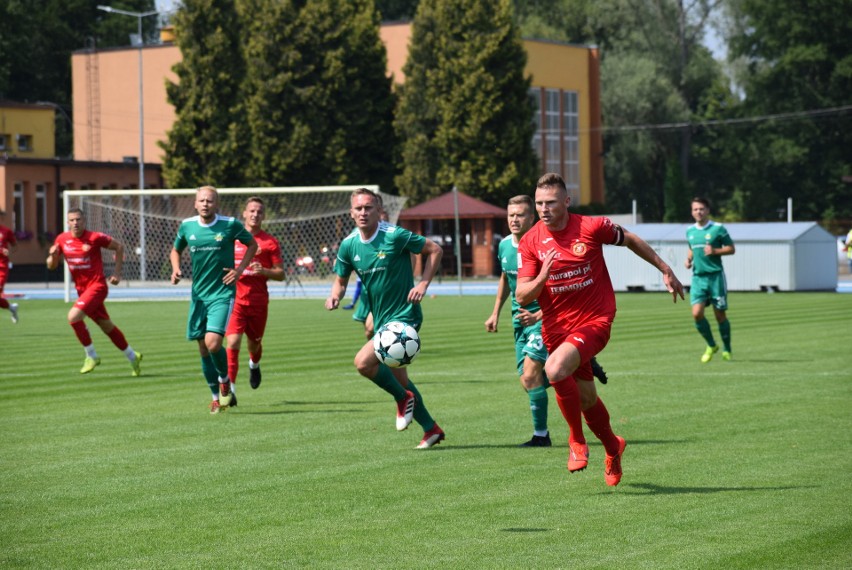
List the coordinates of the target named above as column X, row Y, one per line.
column 443, row 207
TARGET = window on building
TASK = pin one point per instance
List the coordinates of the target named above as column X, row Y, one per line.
column 41, row 209
column 25, row 143
column 571, row 144
column 18, row 195
column 556, row 140
column 5, row 141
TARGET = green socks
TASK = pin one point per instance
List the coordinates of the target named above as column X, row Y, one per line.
column 387, row 381
column 538, row 407
column 421, row 414
column 704, row 328
column 210, row 374
column 725, row 333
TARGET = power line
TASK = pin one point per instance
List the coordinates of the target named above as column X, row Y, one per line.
column 722, row 122
column 779, row 117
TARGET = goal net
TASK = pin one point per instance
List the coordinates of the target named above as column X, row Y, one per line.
column 309, row 222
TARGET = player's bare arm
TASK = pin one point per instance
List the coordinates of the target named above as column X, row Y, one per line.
column 118, row 248
column 529, row 288
column 724, row 250
column 502, row 295
column 526, row 318
column 338, row 291
column 53, row 257
column 174, row 259
column 232, row 274
column 432, row 253
column 641, row 248
column 276, row 272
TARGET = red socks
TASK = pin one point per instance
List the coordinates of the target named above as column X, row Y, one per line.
column 233, row 363
column 255, row 356
column 568, row 398
column 117, row 338
column 82, row 333
column 597, row 418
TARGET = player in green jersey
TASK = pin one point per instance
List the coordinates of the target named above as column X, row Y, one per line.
column 530, row 352
column 210, row 238
column 380, row 254
column 708, row 242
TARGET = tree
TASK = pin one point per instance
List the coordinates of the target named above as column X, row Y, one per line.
column 318, row 101
column 206, row 142
column 36, row 41
column 464, row 117
column 397, row 9
column 798, row 67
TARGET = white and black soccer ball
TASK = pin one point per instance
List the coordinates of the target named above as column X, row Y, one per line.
column 396, row 344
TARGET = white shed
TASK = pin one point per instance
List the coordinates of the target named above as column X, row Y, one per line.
column 798, row 256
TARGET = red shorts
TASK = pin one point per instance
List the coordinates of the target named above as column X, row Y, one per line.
column 589, row 339
column 91, row 302
column 248, row 319
column 4, row 273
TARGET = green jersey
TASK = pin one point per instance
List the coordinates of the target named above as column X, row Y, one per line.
column 507, row 253
column 211, row 250
column 383, row 263
column 712, row 234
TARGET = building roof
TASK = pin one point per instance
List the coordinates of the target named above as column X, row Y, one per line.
column 9, row 104
column 443, row 207
column 740, row 232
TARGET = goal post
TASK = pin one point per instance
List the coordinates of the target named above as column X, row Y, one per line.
column 308, row 221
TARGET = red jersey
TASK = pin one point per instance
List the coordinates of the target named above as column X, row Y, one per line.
column 578, row 289
column 7, row 240
column 83, row 256
column 251, row 288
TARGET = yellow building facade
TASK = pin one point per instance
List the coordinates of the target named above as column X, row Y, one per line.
column 565, row 79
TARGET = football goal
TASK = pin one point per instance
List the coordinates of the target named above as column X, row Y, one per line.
column 309, row 222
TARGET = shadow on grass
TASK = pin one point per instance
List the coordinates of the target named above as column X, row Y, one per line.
column 284, row 412
column 525, row 530
column 652, row 489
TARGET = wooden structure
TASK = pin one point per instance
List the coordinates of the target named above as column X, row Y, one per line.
column 481, row 227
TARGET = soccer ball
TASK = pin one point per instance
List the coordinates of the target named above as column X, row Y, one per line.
column 396, row 344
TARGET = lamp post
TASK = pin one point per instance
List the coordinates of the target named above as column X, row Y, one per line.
column 138, row 16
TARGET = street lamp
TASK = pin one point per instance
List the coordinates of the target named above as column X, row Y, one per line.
column 138, row 16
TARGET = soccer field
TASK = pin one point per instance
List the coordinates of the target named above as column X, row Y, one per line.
column 741, row 464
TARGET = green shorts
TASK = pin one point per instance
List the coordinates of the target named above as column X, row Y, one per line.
column 528, row 342
column 208, row 316
column 710, row 289
column 362, row 309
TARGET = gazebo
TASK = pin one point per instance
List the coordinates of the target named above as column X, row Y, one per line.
column 481, row 227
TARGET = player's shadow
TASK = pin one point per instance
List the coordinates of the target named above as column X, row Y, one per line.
column 516, row 529
column 654, row 489
column 289, row 405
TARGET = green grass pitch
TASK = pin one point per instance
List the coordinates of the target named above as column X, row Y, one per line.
column 742, row 464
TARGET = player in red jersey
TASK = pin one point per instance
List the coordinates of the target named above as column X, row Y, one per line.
column 7, row 243
column 561, row 263
column 82, row 251
column 252, row 304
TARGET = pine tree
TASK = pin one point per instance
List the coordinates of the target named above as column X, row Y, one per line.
column 319, row 104
column 206, row 144
column 465, row 118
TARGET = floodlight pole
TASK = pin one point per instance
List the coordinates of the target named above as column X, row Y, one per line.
column 138, row 16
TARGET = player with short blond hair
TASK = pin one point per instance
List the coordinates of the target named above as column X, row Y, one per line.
column 210, row 239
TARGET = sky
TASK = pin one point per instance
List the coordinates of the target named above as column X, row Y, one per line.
column 711, row 40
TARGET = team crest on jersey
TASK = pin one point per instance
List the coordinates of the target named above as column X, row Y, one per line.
column 86, row 247
column 708, row 236
column 357, row 257
column 219, row 237
column 381, row 255
column 578, row 249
